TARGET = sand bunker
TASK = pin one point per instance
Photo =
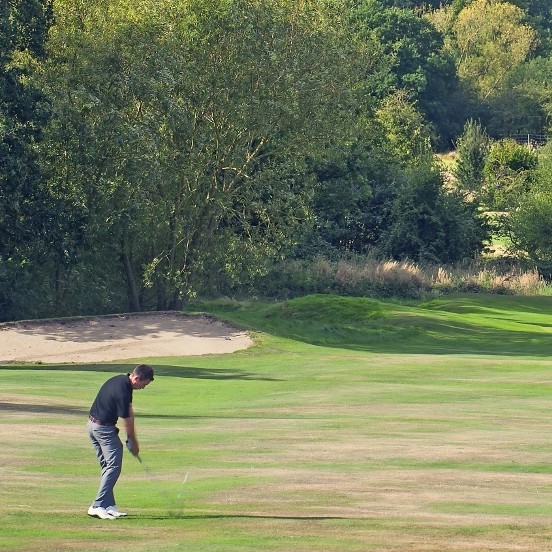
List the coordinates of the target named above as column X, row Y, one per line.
column 117, row 337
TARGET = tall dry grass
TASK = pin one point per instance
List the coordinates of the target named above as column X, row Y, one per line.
column 401, row 279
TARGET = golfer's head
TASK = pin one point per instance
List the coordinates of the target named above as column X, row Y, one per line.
column 141, row 376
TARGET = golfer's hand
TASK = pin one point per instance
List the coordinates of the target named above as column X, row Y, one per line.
column 133, row 447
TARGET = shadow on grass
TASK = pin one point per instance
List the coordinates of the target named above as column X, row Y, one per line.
column 446, row 338
column 49, row 409
column 235, row 516
column 41, row 409
column 488, row 325
column 415, row 335
column 187, row 372
column 491, row 304
column 170, row 371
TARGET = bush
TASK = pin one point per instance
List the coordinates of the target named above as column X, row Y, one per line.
column 509, row 174
column 430, row 223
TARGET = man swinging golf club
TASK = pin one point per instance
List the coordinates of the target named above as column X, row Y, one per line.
column 114, row 401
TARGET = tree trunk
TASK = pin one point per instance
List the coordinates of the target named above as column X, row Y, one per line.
column 161, row 292
column 132, row 288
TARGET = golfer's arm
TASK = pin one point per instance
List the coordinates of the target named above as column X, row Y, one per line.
column 129, row 426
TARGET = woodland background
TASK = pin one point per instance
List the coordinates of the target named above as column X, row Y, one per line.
column 153, row 151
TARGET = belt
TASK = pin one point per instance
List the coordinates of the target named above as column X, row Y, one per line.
column 99, row 422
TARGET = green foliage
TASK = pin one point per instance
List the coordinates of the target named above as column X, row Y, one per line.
column 522, row 106
column 351, row 197
column 490, row 40
column 361, row 219
column 407, row 134
column 417, row 60
column 509, row 173
column 531, row 86
column 472, row 148
column 187, row 146
column 529, row 226
column 410, row 41
column 539, row 17
column 340, row 202
column 371, row 211
column 27, row 212
column 430, row 224
column 198, row 131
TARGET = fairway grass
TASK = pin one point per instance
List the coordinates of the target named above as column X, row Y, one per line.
column 352, row 425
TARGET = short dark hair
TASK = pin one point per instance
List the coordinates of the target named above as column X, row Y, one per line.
column 143, row 372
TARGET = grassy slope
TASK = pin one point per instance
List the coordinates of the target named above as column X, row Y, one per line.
column 456, row 325
column 352, row 425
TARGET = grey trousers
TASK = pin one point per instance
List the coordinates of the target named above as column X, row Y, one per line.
column 109, row 450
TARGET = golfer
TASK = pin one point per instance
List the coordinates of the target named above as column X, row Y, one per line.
column 114, row 401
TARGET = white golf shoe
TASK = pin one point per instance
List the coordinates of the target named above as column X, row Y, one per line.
column 100, row 512
column 115, row 512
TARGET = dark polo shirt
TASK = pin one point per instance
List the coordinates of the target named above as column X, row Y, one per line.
column 113, row 400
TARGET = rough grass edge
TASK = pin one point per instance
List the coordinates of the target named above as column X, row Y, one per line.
column 397, row 279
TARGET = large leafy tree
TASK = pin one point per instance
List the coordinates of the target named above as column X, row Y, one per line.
column 492, row 43
column 417, row 59
column 524, row 106
column 186, row 126
column 491, row 38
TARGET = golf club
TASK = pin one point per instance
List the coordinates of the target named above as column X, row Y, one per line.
column 180, row 497
column 154, row 480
